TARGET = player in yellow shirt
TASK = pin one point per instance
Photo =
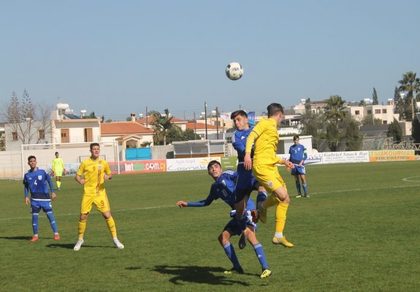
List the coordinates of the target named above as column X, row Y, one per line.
column 264, row 138
column 58, row 169
column 92, row 174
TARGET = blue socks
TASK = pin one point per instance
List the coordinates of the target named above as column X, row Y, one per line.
column 298, row 187
column 35, row 223
column 261, row 197
column 305, row 189
column 230, row 252
column 259, row 251
column 51, row 218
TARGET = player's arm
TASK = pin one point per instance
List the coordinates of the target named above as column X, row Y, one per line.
column 305, row 156
column 255, row 133
column 50, row 185
column 79, row 174
column 107, row 172
column 202, row 203
column 286, row 163
column 26, row 191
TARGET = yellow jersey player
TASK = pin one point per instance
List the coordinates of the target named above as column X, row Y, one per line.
column 58, row 169
column 264, row 137
column 92, row 174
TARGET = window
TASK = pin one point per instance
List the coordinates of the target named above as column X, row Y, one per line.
column 384, row 122
column 357, row 113
column 88, row 136
column 369, row 112
column 14, row 136
column 41, row 134
column 65, row 136
column 377, row 111
column 384, row 111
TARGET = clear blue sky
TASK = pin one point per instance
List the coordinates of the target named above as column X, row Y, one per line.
column 117, row 57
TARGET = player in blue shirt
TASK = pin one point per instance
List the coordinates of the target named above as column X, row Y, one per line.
column 223, row 188
column 36, row 182
column 246, row 180
column 297, row 157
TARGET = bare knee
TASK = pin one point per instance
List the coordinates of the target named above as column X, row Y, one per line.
column 106, row 215
column 83, row 216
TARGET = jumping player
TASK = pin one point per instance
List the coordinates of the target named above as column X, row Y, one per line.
column 223, row 188
column 264, row 138
column 246, row 179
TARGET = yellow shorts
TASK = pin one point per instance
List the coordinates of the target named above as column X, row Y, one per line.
column 99, row 199
column 268, row 176
column 58, row 173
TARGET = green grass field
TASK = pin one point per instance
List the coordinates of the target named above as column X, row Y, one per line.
column 359, row 231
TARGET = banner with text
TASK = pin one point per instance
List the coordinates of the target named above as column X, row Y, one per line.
column 391, row 155
column 184, row 164
column 139, row 166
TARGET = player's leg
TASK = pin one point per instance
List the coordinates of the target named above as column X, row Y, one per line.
column 35, row 215
column 281, row 214
column 304, row 184
column 259, row 251
column 47, row 207
column 297, row 183
column 85, row 208
column 103, row 206
column 58, row 182
column 265, row 177
column 230, row 229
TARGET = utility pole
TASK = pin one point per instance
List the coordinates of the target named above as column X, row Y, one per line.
column 217, row 123
column 205, row 116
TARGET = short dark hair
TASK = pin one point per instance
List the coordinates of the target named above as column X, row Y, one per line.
column 238, row 113
column 31, row 157
column 56, row 153
column 274, row 108
column 295, row 137
column 211, row 163
column 93, row 145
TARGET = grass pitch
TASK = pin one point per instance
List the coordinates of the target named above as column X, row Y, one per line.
column 359, row 231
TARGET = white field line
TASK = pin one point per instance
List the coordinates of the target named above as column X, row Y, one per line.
column 95, row 213
column 173, row 206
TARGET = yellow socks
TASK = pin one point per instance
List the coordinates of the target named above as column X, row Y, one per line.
column 82, row 228
column 281, row 212
column 58, row 184
column 111, row 226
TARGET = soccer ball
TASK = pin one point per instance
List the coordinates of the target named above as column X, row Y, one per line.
column 234, row 71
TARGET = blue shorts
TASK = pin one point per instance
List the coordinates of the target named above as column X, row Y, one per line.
column 245, row 184
column 36, row 206
column 234, row 227
column 298, row 169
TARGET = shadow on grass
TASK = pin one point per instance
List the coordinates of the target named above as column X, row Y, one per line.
column 196, row 274
column 71, row 246
column 16, row 237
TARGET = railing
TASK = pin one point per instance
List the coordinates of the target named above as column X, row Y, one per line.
column 403, row 146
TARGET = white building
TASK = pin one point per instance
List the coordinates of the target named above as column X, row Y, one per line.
column 384, row 113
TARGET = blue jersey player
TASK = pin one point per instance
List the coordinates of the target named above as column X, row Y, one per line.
column 246, row 179
column 224, row 188
column 36, row 182
column 297, row 157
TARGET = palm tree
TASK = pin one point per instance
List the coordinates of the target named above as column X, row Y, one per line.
column 161, row 124
column 410, row 85
column 334, row 114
